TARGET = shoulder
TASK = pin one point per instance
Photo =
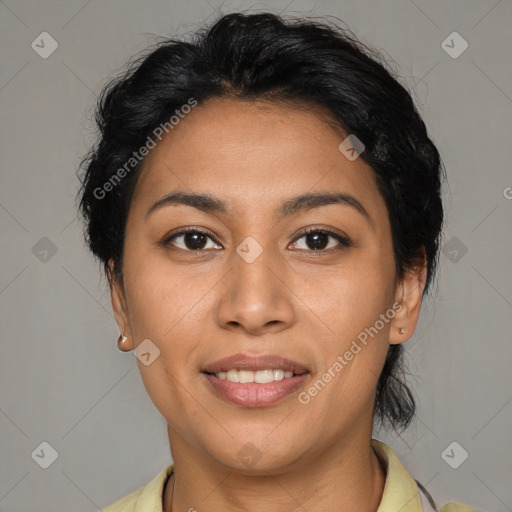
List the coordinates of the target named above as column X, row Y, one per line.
column 457, row 507
column 146, row 498
column 401, row 491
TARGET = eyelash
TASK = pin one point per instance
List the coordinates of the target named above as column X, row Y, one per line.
column 343, row 242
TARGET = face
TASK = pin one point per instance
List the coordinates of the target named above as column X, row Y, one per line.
column 248, row 281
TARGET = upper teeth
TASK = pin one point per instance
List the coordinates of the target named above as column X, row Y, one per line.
column 260, row 376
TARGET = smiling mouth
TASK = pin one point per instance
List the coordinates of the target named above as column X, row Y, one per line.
column 254, row 381
column 255, row 388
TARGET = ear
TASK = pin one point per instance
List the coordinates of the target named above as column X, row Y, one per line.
column 119, row 306
column 409, row 295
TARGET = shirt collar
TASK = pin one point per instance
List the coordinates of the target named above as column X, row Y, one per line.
column 151, row 497
column 400, row 490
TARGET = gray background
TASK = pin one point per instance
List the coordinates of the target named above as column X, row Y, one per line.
column 62, row 379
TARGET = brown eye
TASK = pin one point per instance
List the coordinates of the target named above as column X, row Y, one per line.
column 190, row 240
column 318, row 240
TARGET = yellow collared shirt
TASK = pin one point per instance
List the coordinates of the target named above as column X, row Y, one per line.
column 400, row 490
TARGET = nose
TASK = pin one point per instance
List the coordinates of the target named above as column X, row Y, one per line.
column 254, row 296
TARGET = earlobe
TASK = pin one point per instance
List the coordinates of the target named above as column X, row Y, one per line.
column 120, row 310
column 400, row 327
column 409, row 294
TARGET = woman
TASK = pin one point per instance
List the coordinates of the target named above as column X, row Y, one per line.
column 266, row 203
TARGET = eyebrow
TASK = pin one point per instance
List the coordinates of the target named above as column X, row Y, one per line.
column 209, row 204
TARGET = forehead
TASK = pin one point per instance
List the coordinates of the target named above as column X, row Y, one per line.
column 253, row 151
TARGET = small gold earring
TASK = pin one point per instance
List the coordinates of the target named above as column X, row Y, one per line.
column 121, row 342
column 402, row 331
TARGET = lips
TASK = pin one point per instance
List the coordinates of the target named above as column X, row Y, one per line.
column 255, row 395
column 258, row 393
column 264, row 362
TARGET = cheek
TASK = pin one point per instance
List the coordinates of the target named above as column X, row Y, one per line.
column 166, row 310
column 169, row 310
column 354, row 301
column 350, row 296
column 159, row 295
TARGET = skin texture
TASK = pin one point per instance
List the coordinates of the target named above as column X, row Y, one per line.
column 293, row 301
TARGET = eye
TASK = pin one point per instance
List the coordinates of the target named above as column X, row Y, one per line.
column 191, row 239
column 318, row 240
column 315, row 239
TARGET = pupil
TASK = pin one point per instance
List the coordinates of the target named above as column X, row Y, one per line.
column 317, row 245
column 198, row 243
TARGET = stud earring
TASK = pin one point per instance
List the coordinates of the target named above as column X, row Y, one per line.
column 121, row 341
column 402, row 331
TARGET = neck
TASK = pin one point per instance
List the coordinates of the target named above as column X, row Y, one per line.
column 350, row 477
